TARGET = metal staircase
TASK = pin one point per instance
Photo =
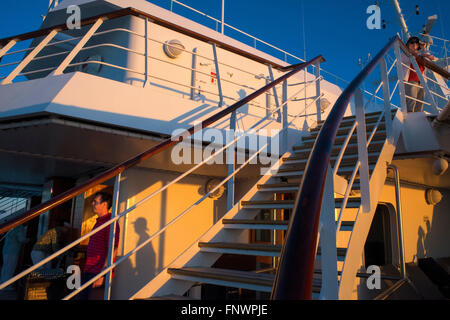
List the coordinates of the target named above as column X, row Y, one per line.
column 285, row 181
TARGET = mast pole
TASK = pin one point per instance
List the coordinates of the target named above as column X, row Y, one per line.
column 401, row 19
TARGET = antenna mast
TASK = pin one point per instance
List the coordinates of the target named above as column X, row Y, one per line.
column 401, row 19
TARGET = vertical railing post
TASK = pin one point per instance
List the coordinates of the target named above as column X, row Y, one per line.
column 424, row 84
column 231, row 163
column 146, row 51
column 219, row 84
column 284, row 136
column 193, row 73
column 386, row 98
column 318, row 106
column 30, row 57
column 112, row 236
column 275, row 94
column 223, row 17
column 328, row 240
column 362, row 150
column 77, row 48
column 400, row 76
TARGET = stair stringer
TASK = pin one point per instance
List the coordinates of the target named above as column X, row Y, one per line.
column 163, row 284
column 364, row 219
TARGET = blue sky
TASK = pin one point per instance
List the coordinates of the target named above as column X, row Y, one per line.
column 335, row 29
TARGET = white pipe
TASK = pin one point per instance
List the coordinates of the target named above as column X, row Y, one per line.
column 401, row 19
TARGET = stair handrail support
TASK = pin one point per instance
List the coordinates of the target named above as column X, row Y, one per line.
column 360, row 120
column 327, row 239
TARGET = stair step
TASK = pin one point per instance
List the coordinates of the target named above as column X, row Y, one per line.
column 339, row 140
column 279, row 187
column 345, row 129
column 230, row 278
column 270, row 224
column 353, row 202
column 342, row 171
column 268, row 204
column 346, row 158
column 369, row 115
column 375, row 146
column 255, row 224
column 225, row 277
column 252, row 249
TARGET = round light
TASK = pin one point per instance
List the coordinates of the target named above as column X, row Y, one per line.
column 439, row 167
column 324, row 104
column 173, row 48
column 433, row 196
column 211, row 184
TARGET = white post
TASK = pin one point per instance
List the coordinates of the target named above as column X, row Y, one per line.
column 318, row 106
column 30, row 57
column 285, row 122
column 112, row 236
column 219, row 84
column 362, row 150
column 223, row 16
column 327, row 230
column 193, row 73
column 146, row 51
column 401, row 19
column 277, row 103
column 400, row 76
column 77, row 48
column 386, row 98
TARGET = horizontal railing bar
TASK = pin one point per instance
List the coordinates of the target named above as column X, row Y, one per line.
column 35, row 71
column 48, row 45
column 106, row 64
column 113, row 46
column 424, row 102
column 434, row 37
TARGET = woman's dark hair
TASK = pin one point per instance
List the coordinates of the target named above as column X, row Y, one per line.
column 105, row 197
column 413, row 40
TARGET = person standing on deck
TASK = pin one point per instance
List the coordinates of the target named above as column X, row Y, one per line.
column 413, row 87
column 97, row 250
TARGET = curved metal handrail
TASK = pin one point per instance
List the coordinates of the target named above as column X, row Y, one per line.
column 299, row 251
column 110, row 173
